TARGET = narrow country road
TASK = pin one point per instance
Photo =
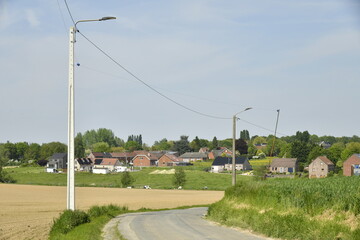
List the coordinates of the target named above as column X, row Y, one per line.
column 172, row 224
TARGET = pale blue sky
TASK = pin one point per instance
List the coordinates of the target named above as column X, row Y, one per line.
column 216, row 57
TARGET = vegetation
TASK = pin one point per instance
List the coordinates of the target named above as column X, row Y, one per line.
column 293, row 208
column 179, row 177
column 127, row 179
column 84, row 225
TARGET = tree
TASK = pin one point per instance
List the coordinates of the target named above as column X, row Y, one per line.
column 182, row 146
column 48, row 149
column 259, row 140
column 334, row 152
column 161, row 145
column 132, row 146
column 117, row 149
column 315, row 152
column 244, row 134
column 91, row 137
column 195, row 144
column 215, row 143
column 101, row 147
column 300, row 150
column 241, row 146
column 179, row 177
column 350, row 149
column 33, row 152
column 127, row 179
column 79, row 146
column 21, row 148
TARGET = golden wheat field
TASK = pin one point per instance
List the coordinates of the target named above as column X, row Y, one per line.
column 27, row 211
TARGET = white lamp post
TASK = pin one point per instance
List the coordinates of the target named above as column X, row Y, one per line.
column 71, row 145
column 233, row 148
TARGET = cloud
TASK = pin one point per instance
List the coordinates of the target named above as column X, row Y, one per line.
column 32, row 18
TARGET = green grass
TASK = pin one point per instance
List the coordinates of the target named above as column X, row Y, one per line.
column 98, row 215
column 293, row 208
column 196, row 178
column 261, row 162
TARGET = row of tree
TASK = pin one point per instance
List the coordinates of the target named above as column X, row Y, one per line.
column 302, row 145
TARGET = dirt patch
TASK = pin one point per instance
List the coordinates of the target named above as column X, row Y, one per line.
column 27, row 211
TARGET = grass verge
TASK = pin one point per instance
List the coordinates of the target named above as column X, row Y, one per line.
column 98, row 216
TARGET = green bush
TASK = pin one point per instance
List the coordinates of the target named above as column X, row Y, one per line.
column 110, row 210
column 68, row 220
column 127, row 179
column 179, row 177
column 5, row 177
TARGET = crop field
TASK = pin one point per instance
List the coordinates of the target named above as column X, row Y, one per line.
column 27, row 211
column 294, row 208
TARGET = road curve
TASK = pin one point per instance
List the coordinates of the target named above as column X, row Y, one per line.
column 172, row 224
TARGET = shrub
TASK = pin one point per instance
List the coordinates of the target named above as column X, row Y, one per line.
column 5, row 177
column 127, row 179
column 110, row 210
column 68, row 220
column 179, row 177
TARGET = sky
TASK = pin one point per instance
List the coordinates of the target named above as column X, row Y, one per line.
column 213, row 57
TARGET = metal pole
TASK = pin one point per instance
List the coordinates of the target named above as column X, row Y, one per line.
column 273, row 145
column 71, row 146
column 233, row 152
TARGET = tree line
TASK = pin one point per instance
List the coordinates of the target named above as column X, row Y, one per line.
column 302, row 145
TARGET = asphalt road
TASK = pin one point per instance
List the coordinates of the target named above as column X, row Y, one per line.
column 172, row 224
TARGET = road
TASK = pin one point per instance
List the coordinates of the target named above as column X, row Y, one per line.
column 172, row 224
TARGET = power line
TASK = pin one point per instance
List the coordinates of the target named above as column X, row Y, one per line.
column 150, row 87
column 269, row 130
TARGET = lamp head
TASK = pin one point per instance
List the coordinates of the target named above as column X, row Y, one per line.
column 106, row 18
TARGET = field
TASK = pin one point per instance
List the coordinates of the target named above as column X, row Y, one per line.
column 294, row 208
column 196, row 177
column 27, row 211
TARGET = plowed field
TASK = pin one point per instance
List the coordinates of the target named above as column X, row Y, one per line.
column 27, row 211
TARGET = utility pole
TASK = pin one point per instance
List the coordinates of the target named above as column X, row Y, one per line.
column 70, row 201
column 273, row 145
column 71, row 146
column 233, row 146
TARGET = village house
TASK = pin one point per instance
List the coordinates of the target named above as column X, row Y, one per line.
column 57, row 162
column 222, row 152
column 194, row 156
column 124, row 157
column 320, row 167
column 83, row 165
column 145, row 160
column 221, row 164
column 168, row 160
column 284, row 165
column 351, row 167
column 98, row 156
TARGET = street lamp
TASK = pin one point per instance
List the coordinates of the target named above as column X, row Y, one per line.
column 233, row 148
column 71, row 145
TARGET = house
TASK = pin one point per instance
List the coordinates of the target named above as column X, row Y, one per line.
column 223, row 152
column 167, row 160
column 221, row 164
column 83, row 164
column 320, row 167
column 351, row 167
column 284, row 165
column 193, row 156
column 325, row 145
column 98, row 155
column 110, row 163
column 124, row 157
column 145, row 160
column 204, row 150
column 58, row 161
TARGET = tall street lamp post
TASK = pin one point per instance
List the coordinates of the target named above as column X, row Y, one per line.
column 71, row 146
column 233, row 148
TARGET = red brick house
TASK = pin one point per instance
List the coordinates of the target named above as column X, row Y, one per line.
column 167, row 160
column 145, row 160
column 352, row 166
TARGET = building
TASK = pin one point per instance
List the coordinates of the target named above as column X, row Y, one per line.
column 194, row 156
column 351, row 167
column 145, row 160
column 57, row 162
column 98, row 155
column 320, row 167
column 168, row 160
column 284, row 165
column 83, row 164
column 221, row 164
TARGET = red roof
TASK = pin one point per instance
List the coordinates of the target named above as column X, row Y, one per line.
column 109, row 161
